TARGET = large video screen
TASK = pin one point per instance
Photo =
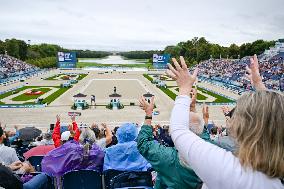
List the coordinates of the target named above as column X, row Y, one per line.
column 161, row 61
column 66, row 59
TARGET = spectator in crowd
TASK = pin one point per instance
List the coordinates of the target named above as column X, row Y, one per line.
column 11, row 136
column 225, row 140
column 164, row 158
column 41, row 147
column 103, row 135
column 73, row 132
column 47, row 140
column 165, row 137
column 9, row 180
column 258, row 162
column 8, row 155
column 114, row 138
column 13, row 67
column 75, row 156
column 214, row 136
column 125, row 156
column 231, row 73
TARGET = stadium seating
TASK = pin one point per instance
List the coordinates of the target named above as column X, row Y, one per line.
column 12, row 69
column 109, row 175
column 231, row 73
column 132, row 180
column 36, row 162
column 87, row 179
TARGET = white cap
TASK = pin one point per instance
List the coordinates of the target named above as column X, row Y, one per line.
column 65, row 135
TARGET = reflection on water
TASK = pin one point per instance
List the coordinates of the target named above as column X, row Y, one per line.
column 111, row 60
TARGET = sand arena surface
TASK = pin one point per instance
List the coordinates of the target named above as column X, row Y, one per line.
column 131, row 85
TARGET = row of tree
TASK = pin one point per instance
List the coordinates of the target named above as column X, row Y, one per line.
column 194, row 51
column 42, row 55
column 199, row 49
column 139, row 54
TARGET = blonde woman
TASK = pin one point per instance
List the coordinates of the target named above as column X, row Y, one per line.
column 257, row 126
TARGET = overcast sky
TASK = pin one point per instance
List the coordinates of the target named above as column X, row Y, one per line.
column 140, row 25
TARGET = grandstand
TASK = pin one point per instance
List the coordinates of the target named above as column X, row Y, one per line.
column 231, row 73
column 13, row 69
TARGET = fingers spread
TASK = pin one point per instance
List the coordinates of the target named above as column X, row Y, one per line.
column 183, row 64
column 248, row 69
column 152, row 100
column 176, row 64
column 194, row 75
column 171, row 74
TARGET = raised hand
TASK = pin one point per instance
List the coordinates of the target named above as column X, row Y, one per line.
column 147, row 107
column 205, row 112
column 70, row 127
column 225, row 110
column 254, row 75
column 104, row 125
column 182, row 76
column 193, row 99
column 94, row 125
column 58, row 118
column 73, row 118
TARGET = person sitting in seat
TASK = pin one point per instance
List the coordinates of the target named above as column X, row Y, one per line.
column 9, row 180
column 74, row 156
column 125, row 156
column 8, row 155
column 103, row 135
column 172, row 171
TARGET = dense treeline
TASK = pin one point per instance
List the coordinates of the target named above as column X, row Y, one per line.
column 90, row 54
column 199, row 49
column 194, row 51
column 47, row 62
column 42, row 55
column 140, row 54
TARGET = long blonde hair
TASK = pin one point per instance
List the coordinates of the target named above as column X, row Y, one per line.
column 258, row 128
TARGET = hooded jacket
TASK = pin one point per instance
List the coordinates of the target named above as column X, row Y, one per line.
column 165, row 160
column 125, row 156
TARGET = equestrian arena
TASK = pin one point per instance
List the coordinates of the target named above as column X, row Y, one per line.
column 129, row 84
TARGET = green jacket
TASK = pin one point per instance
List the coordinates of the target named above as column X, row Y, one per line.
column 166, row 162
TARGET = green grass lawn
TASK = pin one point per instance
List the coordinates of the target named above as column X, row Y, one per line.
column 47, row 100
column 55, row 95
column 219, row 98
column 82, row 76
column 52, row 77
column 168, row 92
column 13, row 92
column 199, row 96
column 172, row 95
column 148, row 77
column 24, row 97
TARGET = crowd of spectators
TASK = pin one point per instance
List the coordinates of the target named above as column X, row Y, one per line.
column 232, row 73
column 13, row 67
column 189, row 153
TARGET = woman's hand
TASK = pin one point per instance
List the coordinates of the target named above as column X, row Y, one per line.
column 182, row 76
column 147, row 107
column 254, row 75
